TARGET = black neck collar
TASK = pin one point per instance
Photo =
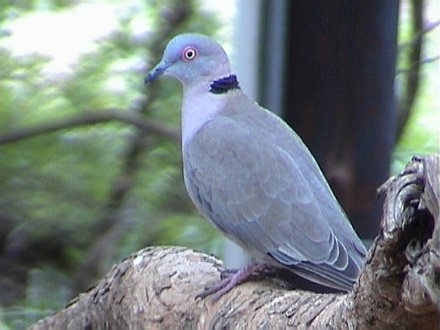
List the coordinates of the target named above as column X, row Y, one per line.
column 225, row 84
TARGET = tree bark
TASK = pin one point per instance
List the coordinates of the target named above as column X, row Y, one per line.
column 399, row 286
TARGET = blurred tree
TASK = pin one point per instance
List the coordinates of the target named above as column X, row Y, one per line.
column 339, row 70
column 79, row 196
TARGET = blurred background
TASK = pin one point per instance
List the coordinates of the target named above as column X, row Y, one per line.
column 90, row 163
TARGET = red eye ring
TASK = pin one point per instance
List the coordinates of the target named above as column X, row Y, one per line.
column 189, row 53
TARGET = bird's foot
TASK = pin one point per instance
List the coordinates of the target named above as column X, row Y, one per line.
column 232, row 277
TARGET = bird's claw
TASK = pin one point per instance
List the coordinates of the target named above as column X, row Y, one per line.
column 231, row 278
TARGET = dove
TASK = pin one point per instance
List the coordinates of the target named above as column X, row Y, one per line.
column 253, row 178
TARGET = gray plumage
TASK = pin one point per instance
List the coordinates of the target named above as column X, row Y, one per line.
column 251, row 175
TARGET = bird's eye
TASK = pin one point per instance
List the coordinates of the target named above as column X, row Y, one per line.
column 189, row 53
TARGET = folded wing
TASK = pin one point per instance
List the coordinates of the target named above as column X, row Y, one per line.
column 263, row 199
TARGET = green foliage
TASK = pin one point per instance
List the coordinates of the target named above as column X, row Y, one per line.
column 56, row 187
column 421, row 132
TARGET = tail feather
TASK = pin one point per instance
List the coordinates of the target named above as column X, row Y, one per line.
column 327, row 275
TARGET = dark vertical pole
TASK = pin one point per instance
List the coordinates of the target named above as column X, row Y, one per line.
column 338, row 95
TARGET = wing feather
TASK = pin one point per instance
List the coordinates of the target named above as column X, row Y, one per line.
column 257, row 194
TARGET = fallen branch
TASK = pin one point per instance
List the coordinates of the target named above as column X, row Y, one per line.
column 398, row 288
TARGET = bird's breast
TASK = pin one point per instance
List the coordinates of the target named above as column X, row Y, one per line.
column 197, row 109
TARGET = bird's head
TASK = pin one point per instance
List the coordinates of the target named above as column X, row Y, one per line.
column 192, row 58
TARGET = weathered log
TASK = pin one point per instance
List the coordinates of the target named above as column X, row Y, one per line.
column 399, row 287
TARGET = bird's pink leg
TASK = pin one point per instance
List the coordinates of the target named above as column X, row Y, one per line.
column 232, row 278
